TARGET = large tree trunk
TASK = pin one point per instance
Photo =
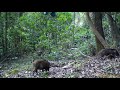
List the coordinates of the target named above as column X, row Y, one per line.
column 5, row 36
column 114, row 29
column 98, row 26
column 96, row 32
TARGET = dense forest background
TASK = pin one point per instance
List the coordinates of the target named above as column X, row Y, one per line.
column 57, row 35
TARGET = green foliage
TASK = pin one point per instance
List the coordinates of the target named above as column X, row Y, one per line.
column 83, row 38
column 13, row 71
column 39, row 30
column 34, row 30
column 57, row 37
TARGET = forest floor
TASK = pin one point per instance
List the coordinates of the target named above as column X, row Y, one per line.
column 87, row 68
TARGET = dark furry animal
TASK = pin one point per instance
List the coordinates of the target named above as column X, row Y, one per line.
column 110, row 53
column 41, row 65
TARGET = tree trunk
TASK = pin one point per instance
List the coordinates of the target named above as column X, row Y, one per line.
column 2, row 33
column 114, row 29
column 96, row 32
column 74, row 30
column 5, row 36
column 98, row 26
